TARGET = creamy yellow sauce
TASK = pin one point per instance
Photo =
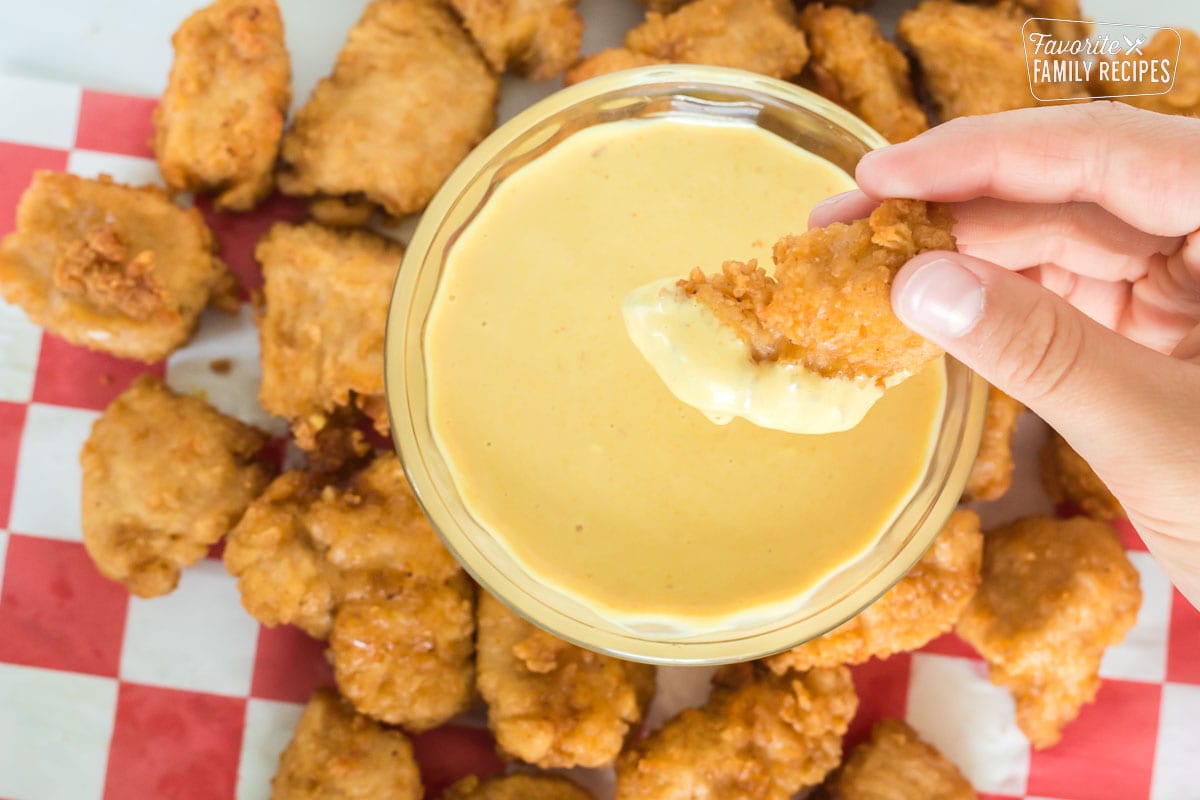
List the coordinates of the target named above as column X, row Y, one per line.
column 564, row 442
column 708, row 366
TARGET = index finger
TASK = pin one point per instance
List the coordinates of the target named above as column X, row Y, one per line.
column 1138, row 165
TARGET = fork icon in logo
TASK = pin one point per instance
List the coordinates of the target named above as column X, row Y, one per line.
column 1133, row 47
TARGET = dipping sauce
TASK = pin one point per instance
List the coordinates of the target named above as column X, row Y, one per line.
column 565, row 444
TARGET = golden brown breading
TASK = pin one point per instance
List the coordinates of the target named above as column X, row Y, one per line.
column 614, row 59
column 336, row 754
column 517, row 787
column 1184, row 55
column 1067, row 478
column 895, row 764
column 1055, row 594
column 972, row 58
column 1062, row 19
column 992, row 473
column 218, row 125
column 409, row 97
column 325, row 297
column 924, row 604
column 115, row 268
column 828, row 305
column 756, row 35
column 164, row 477
column 539, row 38
column 760, row 736
column 356, row 560
column 551, row 703
column 855, row 66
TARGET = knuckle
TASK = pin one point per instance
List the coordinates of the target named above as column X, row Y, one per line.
column 1044, row 351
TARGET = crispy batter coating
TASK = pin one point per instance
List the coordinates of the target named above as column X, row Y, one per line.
column 972, row 58
column 895, row 764
column 855, row 66
column 336, row 754
column 1055, row 594
column 403, row 653
column 828, row 306
column 517, row 787
column 325, row 299
column 409, row 97
column 1184, row 96
column 1062, row 19
column 355, row 560
column 760, row 736
column 538, row 38
column 551, row 703
column 218, row 125
column 991, row 476
column 1067, row 478
column 923, row 605
column 756, row 35
column 614, row 59
column 115, row 268
column 164, row 477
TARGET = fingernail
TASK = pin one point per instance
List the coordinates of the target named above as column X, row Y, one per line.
column 941, row 299
column 830, row 203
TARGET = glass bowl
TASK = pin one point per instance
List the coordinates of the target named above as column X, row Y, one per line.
column 711, row 94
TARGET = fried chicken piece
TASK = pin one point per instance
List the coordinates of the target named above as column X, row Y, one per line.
column 1184, row 95
column 115, row 268
column 539, row 38
column 409, row 96
column 164, row 477
column 552, row 703
column 614, row 59
column 756, row 35
column 923, row 605
column 218, row 125
column 760, row 736
column 972, row 58
column 991, row 476
column 354, row 559
column 853, row 65
column 828, row 306
column 895, row 764
column 1067, row 478
column 1062, row 19
column 1055, row 594
column 336, row 753
column 517, row 787
column 325, row 300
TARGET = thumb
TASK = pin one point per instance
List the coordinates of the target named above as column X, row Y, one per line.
column 1079, row 376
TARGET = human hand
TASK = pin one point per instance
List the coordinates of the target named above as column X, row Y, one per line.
column 1076, row 288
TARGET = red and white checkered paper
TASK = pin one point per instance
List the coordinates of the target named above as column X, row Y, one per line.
column 186, row 697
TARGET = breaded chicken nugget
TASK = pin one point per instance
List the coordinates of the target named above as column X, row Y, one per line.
column 1183, row 54
column 855, row 66
column 760, row 736
column 409, row 97
column 324, row 311
column 756, row 35
column 218, row 125
column 1062, row 19
column 828, row 306
column 1055, row 594
column 924, row 604
column 355, row 559
column 991, row 476
column 164, row 477
column 552, row 703
column 972, row 58
column 336, row 753
column 614, row 59
column 517, row 787
column 1067, row 478
column 538, row 38
column 115, row 268
column 895, row 764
